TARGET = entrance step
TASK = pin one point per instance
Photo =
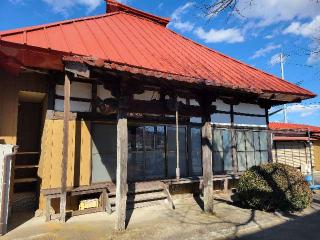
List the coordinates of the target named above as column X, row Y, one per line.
column 24, row 201
column 142, row 194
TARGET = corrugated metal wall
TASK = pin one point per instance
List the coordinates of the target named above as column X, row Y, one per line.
column 316, row 148
column 293, row 153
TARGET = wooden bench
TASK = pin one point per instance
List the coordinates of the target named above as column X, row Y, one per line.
column 224, row 177
column 101, row 189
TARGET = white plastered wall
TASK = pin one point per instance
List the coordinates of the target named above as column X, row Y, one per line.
column 244, row 108
column 78, row 90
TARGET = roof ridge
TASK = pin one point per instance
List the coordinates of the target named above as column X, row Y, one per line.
column 115, row 6
column 238, row 61
column 47, row 25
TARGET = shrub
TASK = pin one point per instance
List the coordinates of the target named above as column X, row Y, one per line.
column 274, row 186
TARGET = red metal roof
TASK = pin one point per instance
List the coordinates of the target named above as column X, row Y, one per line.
column 129, row 37
column 284, row 138
column 292, row 126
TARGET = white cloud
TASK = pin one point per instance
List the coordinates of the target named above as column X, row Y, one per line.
column 177, row 14
column 275, row 59
column 273, row 11
column 314, row 56
column 302, row 110
column 269, row 36
column 176, row 17
column 184, row 26
column 309, row 30
column 63, row 6
column 264, row 51
column 229, row 35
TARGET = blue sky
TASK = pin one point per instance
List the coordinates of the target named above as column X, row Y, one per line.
column 263, row 30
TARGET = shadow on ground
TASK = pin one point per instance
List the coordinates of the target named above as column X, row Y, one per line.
column 306, row 227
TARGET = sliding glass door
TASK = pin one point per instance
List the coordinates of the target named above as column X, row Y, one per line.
column 152, row 152
column 172, row 152
column 146, row 152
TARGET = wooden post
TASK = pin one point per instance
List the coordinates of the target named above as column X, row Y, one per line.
column 122, row 160
column 177, row 142
column 64, row 162
column 269, row 136
column 207, row 165
column 269, row 145
column 233, row 142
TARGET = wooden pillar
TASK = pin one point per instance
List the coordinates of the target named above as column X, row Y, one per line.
column 207, row 165
column 64, row 161
column 270, row 145
column 122, row 160
column 269, row 136
column 233, row 142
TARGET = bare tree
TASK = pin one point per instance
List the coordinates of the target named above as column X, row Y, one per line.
column 217, row 6
column 212, row 8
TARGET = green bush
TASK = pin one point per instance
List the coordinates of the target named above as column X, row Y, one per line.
column 273, row 186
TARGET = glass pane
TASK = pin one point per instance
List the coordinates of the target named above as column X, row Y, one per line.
column 172, row 164
column 104, row 153
column 154, row 164
column 135, row 166
column 264, row 157
column 195, row 143
column 149, row 138
column 217, row 162
column 241, row 161
column 154, row 152
column 263, row 140
column 217, row 140
column 250, row 159
column 249, row 141
column 159, row 137
column 256, row 141
column 227, row 150
column 241, row 146
column 171, row 151
column 257, row 157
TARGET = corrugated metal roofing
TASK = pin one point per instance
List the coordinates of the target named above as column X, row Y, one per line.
column 133, row 39
column 282, row 138
column 292, row 126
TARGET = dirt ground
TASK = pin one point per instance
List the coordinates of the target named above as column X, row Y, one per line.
column 187, row 221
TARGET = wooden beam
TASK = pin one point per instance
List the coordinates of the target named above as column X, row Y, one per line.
column 64, row 161
column 207, row 165
column 122, row 160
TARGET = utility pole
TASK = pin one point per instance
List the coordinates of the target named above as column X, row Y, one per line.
column 282, row 76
